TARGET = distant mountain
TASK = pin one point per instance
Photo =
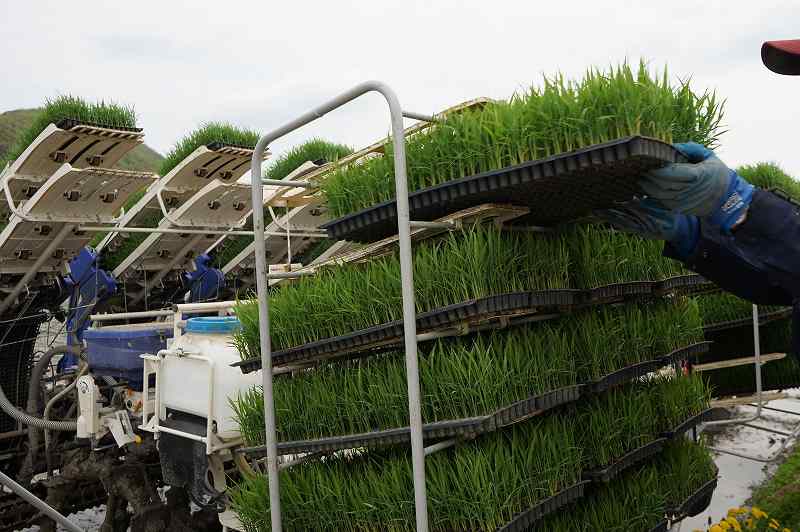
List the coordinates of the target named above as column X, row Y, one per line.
column 13, row 122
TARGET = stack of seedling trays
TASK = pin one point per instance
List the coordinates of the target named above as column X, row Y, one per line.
column 561, row 389
column 728, row 366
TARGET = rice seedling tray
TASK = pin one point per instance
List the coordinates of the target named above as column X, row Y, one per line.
column 556, row 189
column 467, row 428
column 695, row 503
column 688, row 425
column 69, row 123
column 692, row 284
column 635, row 371
column 389, row 335
column 491, row 312
column 472, row 427
column 630, row 459
column 525, row 520
column 763, row 319
column 612, row 292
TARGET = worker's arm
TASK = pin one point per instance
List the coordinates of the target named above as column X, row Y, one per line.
column 747, row 240
column 704, row 249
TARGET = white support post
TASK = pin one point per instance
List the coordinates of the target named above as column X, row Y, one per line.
column 409, row 314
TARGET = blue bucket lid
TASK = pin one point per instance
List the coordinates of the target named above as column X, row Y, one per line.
column 213, row 324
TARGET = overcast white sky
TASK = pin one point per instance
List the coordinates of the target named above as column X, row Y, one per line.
column 258, row 64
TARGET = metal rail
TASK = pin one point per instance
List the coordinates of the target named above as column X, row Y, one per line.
column 173, row 231
column 747, row 421
column 406, row 277
column 38, row 503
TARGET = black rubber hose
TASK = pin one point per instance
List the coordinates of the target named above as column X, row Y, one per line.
column 38, row 370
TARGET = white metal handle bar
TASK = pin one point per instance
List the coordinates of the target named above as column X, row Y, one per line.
column 406, row 277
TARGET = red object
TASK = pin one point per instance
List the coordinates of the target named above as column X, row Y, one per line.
column 782, row 57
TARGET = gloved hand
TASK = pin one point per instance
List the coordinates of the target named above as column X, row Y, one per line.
column 703, row 187
column 648, row 220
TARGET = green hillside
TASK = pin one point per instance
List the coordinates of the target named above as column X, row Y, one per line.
column 13, row 122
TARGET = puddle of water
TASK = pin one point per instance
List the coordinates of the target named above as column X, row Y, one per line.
column 738, row 476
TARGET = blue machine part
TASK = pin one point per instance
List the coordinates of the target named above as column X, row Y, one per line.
column 213, row 325
column 89, row 285
column 114, row 351
column 204, row 282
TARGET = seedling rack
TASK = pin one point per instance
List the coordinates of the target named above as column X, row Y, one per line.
column 628, row 158
column 603, row 175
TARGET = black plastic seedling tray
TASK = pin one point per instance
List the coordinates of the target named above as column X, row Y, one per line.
column 470, row 428
column 630, row 459
column 390, row 335
column 689, row 424
column 635, row 371
column 556, row 189
column 68, row 123
column 763, row 319
column 696, row 503
column 216, row 146
column 525, row 520
column 691, row 284
column 494, row 311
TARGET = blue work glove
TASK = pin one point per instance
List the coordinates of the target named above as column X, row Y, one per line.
column 648, row 220
column 703, row 187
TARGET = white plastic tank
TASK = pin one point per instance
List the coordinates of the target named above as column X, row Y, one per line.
column 203, row 380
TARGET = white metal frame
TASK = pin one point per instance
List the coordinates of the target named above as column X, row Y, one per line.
column 760, row 407
column 406, row 277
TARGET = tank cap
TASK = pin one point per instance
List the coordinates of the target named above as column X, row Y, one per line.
column 213, row 324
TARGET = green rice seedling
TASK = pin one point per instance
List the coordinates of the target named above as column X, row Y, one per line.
column 683, row 468
column 623, row 419
column 315, row 149
column 631, row 502
column 75, row 108
column 638, row 498
column 603, row 256
column 470, row 487
column 208, row 133
column 470, row 376
column 557, row 117
column 680, row 398
column 609, row 339
column 770, row 175
column 473, row 263
column 476, row 485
